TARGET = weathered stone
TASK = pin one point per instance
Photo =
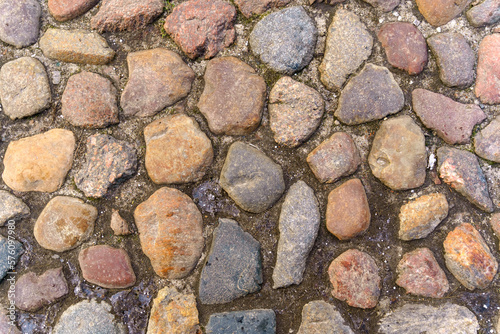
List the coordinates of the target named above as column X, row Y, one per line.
column 319, row 317
column 295, row 111
column 158, row 78
column 24, row 87
column 118, row 224
column 334, row 158
column 439, row 12
column 233, row 98
column 251, row 178
column 348, row 45
column 173, row 313
column 202, row 28
column 487, row 141
column 398, row 157
column 370, row 95
column 242, row 322
column 64, row 223
column 39, row 162
column 11, row 208
column 64, row 10
column 285, row 40
column 488, row 70
column 468, row 257
column 6, row 326
column 487, row 12
column 461, row 171
column 10, row 252
column 384, row 5
column 420, row 217
column 355, row 279
column 257, row 7
column 495, row 223
column 76, row 46
column 298, row 225
column 33, row 291
column 455, row 59
column 171, row 232
column 177, row 151
column 20, row 22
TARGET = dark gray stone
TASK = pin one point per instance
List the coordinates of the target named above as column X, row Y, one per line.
column 11, row 207
column 243, row 322
column 487, row 12
column 319, row 317
column 20, row 22
column 487, row 141
column 233, row 268
column 10, row 252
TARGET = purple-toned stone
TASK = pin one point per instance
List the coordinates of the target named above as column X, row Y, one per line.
column 488, row 70
column 487, row 12
column 487, row 141
column 20, row 22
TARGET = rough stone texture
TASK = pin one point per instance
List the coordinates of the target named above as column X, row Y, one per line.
column 487, row 12
column 173, row 313
column 319, row 317
column 404, row 46
column 295, row 111
column 420, row 217
column 355, row 279
column 370, row 95
column 487, row 141
column 468, row 257
column 12, row 254
column 202, row 28
column 5, row 323
column 24, row 87
column 455, row 59
column 440, row 12
column 384, row 5
column 64, row 223
column 420, row 274
column 158, row 78
column 39, row 162
column 488, row 70
column 257, row 7
column 20, row 22
column 11, row 208
column 348, row 45
column 495, row 223
column 347, row 212
column 251, row 179
column 108, row 161
column 334, row 158
column 461, row 171
column 76, row 46
column 177, row 151
column 242, row 322
column 89, row 100
column 120, row 15
column 298, row 225
column 420, row 318
column 64, row 10
column 398, row 157
column 452, row 121
column 33, row 291
column 233, row 98
column 118, row 224
column 171, row 232
column 285, row 40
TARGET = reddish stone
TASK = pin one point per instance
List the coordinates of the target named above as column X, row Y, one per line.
column 257, row 7
column 488, row 70
column 64, row 10
column 439, row 12
column 420, row 217
column 487, row 141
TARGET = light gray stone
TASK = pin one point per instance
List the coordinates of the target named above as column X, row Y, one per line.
column 11, row 207
column 319, row 317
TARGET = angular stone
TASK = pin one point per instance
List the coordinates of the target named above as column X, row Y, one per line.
column 468, row 257
column 120, row 15
column 173, row 313
column 298, row 225
column 285, row 40
column 487, row 12
column 257, row 7
column 233, row 268
column 11, row 208
column 319, row 317
column 404, row 46
column 10, row 252
column 455, row 59
column 461, row 171
column 384, row 5
column 24, row 87
column 334, row 158
column 355, row 279
column 64, row 10
column 487, row 141
column 495, row 223
column 451, row 120
column 177, row 151
column 440, row 12
column 89, row 100
column 202, row 28
column 64, row 223
column 33, row 291
column 158, row 78
column 76, row 46
column 348, row 45
column 251, row 178
column 420, row 217
column 171, row 232
column 398, row 157
column 20, row 22
column 108, row 161
column 242, row 322
column 488, row 70
column 233, row 98
column 118, row 224
column 420, row 274
column 372, row 94
column 39, row 162
column 295, row 111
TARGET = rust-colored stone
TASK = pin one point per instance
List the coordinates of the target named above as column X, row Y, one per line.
column 439, row 12
column 64, row 10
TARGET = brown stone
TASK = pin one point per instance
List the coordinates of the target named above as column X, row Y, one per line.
column 64, row 10
column 439, row 12
column 257, row 7
column 420, row 217
column 488, row 70
column 171, row 232
column 487, row 141
column 487, row 12
column 495, row 223
column 118, row 224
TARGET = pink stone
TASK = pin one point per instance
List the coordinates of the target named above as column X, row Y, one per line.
column 488, row 70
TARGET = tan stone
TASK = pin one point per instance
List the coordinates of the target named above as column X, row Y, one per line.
column 118, row 224
column 439, row 12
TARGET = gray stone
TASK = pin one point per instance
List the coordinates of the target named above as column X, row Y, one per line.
column 298, row 225
column 233, row 268
column 6, row 316
column 319, row 317
column 487, row 141
column 252, row 179
column 11, row 208
column 384, row 5
column 10, row 252
column 243, row 322
column 487, row 12
column 285, row 40
column 20, row 22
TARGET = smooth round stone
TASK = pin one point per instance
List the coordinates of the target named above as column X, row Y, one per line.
column 20, row 22
column 440, row 12
column 64, row 10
